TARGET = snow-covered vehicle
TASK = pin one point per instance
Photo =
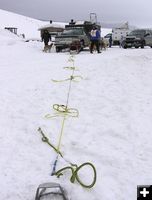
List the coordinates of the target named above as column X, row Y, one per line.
column 75, row 32
column 138, row 38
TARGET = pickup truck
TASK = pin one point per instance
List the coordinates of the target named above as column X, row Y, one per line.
column 138, row 38
column 75, row 32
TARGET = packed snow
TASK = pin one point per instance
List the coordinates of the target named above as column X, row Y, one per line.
column 113, row 130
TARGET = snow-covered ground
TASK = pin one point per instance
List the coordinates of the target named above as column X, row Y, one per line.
column 113, row 130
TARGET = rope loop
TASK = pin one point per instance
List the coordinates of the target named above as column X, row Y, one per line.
column 72, row 78
column 45, row 139
column 71, row 68
column 74, row 176
column 62, row 109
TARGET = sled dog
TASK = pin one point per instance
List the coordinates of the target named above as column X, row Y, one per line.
column 47, row 48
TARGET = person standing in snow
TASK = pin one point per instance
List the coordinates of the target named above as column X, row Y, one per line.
column 110, row 41
column 95, row 39
column 121, row 41
column 46, row 37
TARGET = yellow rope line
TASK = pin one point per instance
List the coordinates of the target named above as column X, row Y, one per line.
column 72, row 78
column 68, row 95
column 63, row 110
column 45, row 139
column 61, row 134
column 71, row 68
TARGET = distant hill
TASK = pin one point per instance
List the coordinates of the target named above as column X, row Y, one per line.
column 26, row 25
column 30, row 26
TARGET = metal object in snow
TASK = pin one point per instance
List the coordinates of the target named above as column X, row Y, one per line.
column 50, row 191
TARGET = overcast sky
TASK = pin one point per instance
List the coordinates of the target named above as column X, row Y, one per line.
column 136, row 12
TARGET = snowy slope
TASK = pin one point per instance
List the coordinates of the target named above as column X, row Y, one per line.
column 24, row 24
column 27, row 25
column 113, row 130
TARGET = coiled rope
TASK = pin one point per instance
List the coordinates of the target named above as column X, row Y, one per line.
column 72, row 78
column 73, row 167
column 62, row 110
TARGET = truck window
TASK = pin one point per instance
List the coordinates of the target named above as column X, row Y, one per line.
column 137, row 33
column 73, row 32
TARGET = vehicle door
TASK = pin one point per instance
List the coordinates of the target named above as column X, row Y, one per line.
column 84, row 38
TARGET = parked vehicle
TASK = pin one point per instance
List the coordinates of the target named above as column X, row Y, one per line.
column 120, row 32
column 138, row 38
column 107, row 37
column 78, row 32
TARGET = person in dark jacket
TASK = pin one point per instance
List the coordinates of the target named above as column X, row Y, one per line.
column 110, row 41
column 46, row 37
column 94, row 38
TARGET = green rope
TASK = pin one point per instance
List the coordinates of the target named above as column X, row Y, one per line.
column 74, row 168
column 61, row 134
column 71, row 68
column 65, row 111
column 62, row 110
column 45, row 139
column 74, row 171
column 72, row 78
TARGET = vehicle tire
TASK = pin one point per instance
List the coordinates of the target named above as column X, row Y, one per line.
column 151, row 46
column 82, row 45
column 142, row 44
column 123, row 45
column 58, row 49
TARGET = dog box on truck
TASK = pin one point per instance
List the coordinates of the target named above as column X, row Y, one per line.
column 120, row 32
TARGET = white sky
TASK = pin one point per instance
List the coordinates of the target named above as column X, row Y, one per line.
column 136, row 12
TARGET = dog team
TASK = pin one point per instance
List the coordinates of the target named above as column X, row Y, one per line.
column 96, row 42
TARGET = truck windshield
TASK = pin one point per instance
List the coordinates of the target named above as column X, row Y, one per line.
column 137, row 33
column 73, row 32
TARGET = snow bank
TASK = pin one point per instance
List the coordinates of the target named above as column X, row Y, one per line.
column 8, row 38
